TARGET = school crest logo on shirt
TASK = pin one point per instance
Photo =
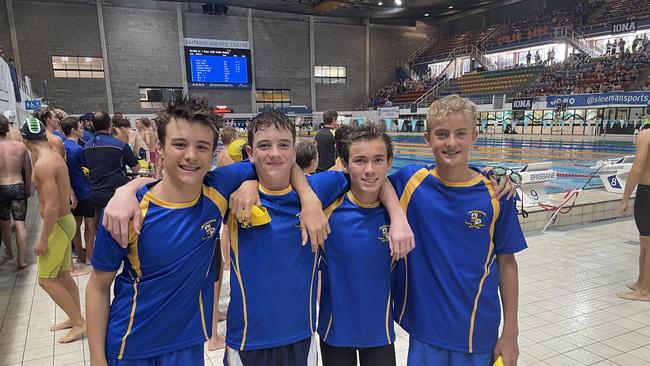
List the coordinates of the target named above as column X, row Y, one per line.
column 383, row 233
column 209, row 229
column 475, row 219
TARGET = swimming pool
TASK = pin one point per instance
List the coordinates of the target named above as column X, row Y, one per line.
column 571, row 159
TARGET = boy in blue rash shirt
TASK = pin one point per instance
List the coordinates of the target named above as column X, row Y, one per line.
column 355, row 304
column 84, row 210
column 447, row 289
column 163, row 297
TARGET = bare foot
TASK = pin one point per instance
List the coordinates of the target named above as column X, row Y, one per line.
column 74, row 334
column 79, row 271
column 215, row 343
column 22, row 265
column 221, row 316
column 633, row 286
column 63, row 325
column 634, row 295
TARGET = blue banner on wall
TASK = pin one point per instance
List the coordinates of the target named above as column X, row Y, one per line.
column 600, row 99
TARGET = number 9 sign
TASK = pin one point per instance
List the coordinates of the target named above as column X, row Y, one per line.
column 534, row 195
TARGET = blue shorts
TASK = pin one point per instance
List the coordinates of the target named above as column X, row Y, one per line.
column 186, row 356
column 424, row 354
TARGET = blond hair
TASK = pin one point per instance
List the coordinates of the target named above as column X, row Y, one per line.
column 451, row 104
column 60, row 114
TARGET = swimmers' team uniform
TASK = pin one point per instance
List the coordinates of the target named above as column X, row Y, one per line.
column 273, row 281
column 59, row 250
column 356, row 303
column 446, row 293
column 78, row 181
column 164, row 294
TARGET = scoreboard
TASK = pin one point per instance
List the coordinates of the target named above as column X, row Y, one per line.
column 209, row 67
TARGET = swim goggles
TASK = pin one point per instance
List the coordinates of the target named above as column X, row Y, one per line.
column 500, row 171
column 259, row 217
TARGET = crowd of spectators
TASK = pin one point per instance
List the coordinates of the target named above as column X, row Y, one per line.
column 583, row 74
column 384, row 96
column 542, row 24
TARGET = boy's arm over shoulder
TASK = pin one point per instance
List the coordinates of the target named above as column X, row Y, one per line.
column 108, row 254
column 401, row 178
column 226, row 179
column 329, row 186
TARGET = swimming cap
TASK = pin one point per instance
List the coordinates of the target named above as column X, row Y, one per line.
column 237, row 150
column 11, row 116
column 33, row 130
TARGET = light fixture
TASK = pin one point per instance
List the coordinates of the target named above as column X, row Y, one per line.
column 426, row 14
column 398, row 2
column 380, row 3
column 451, row 6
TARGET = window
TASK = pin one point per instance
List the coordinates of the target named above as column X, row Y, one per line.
column 272, row 98
column 78, row 67
column 331, row 74
column 156, row 97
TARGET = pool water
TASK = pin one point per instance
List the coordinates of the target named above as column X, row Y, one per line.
column 571, row 159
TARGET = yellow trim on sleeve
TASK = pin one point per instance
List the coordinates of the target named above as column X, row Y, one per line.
column 330, row 209
column 361, row 204
column 271, row 192
column 234, row 244
column 472, row 182
column 216, row 198
column 489, row 260
column 411, row 186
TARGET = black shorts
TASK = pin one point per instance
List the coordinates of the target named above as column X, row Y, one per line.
column 217, row 261
column 84, row 209
column 302, row 353
column 13, row 202
column 642, row 209
column 347, row 356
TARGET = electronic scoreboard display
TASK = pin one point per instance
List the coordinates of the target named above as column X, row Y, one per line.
column 218, row 67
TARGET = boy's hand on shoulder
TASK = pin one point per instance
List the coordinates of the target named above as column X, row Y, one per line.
column 508, row 348
column 313, row 222
column 400, row 238
column 243, row 199
column 119, row 212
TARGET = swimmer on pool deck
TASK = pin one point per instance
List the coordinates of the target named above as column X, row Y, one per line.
column 50, row 177
column 640, row 174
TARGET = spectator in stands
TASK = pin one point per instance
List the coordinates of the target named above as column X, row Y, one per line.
column 538, row 58
column 106, row 157
column 325, row 141
column 528, row 57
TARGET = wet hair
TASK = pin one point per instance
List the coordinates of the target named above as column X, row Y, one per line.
column 340, row 136
column 451, row 104
column 329, row 116
column 101, row 121
column 4, row 125
column 228, row 134
column 306, row 152
column 267, row 119
column 367, row 132
column 191, row 109
column 68, row 124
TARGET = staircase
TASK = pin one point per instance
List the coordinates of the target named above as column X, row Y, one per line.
column 427, row 97
column 578, row 41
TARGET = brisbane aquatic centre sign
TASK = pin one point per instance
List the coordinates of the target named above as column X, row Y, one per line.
column 600, row 99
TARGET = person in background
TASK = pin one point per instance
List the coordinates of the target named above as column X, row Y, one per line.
column 131, row 137
column 307, row 156
column 325, row 141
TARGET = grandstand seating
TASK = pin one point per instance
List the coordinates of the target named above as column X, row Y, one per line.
column 441, row 48
column 488, row 83
column 624, row 10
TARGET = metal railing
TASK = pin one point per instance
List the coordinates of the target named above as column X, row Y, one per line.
column 432, row 91
column 578, row 40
